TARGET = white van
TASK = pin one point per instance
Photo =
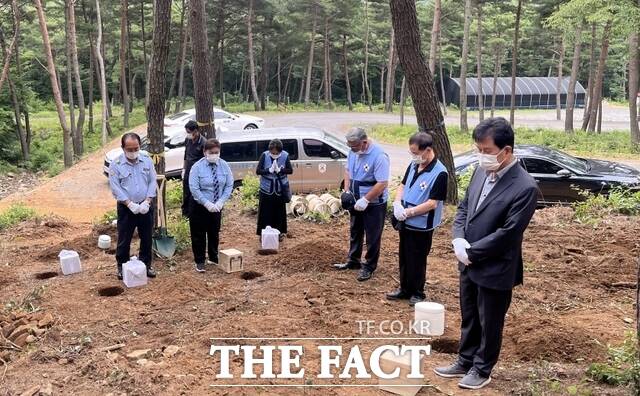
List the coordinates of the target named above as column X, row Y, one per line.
column 318, row 157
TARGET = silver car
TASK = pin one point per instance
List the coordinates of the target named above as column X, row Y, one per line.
column 318, row 157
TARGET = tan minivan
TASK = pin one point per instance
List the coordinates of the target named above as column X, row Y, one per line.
column 318, row 157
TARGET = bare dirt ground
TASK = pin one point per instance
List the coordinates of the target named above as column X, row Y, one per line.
column 577, row 298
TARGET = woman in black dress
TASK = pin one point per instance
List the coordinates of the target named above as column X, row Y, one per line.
column 273, row 167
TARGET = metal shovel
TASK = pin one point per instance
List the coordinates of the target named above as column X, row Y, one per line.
column 163, row 243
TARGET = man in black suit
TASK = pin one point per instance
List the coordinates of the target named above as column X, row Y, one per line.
column 488, row 231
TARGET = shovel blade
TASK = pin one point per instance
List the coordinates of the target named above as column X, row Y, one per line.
column 165, row 247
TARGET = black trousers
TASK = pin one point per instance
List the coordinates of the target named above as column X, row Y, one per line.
column 186, row 192
column 127, row 224
column 483, row 311
column 413, row 251
column 272, row 211
column 369, row 223
column 205, row 233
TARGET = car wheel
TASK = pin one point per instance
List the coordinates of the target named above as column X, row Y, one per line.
column 251, row 126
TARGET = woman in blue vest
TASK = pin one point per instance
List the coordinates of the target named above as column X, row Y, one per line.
column 273, row 167
column 211, row 184
column 418, row 209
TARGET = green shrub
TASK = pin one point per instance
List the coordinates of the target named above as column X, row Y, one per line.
column 174, row 194
column 109, row 217
column 15, row 214
column 594, row 207
column 178, row 227
column 464, row 180
column 249, row 193
column 622, row 366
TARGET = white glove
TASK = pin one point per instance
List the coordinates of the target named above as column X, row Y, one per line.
column 361, row 204
column 460, row 246
column 272, row 169
column 217, row 207
column 398, row 211
column 211, row 207
column 144, row 207
column 134, row 207
column 277, row 167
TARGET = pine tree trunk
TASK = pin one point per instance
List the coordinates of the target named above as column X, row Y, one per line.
column 124, row 5
column 287, row 84
column 327, row 85
column 307, row 89
column 479, row 63
column 435, row 35
column 202, row 83
column 464, row 127
column 590, row 82
column 221, row 34
column 279, row 78
column 403, row 99
column 346, row 71
column 7, row 61
column 157, row 72
column 22, row 137
column 130, row 74
column 382, row 70
column 634, row 84
column 252, row 66
column 575, row 69
column 391, row 75
column 420, row 83
column 24, row 107
column 599, row 78
column 78, row 136
column 183, row 56
column 51, row 68
column 102, row 78
column 144, row 55
column 264, row 74
column 69, row 77
column 444, row 98
column 92, row 76
column 367, row 86
column 176, row 68
column 560, row 80
column 514, row 65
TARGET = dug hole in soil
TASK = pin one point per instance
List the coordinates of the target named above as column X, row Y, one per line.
column 103, row 337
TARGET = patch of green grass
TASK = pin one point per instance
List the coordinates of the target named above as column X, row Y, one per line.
column 580, row 143
column 622, row 368
column 249, row 193
column 174, row 194
column 15, row 214
column 597, row 207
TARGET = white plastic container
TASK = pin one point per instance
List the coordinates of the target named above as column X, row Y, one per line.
column 429, row 318
column 134, row 273
column 70, row 262
column 270, row 238
column 104, row 242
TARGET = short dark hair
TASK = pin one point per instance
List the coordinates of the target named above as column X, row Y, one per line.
column 275, row 144
column 421, row 139
column 211, row 144
column 191, row 125
column 129, row 135
column 498, row 129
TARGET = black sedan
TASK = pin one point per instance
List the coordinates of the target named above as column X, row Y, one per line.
column 561, row 176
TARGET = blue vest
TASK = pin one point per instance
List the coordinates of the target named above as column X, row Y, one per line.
column 361, row 173
column 418, row 193
column 271, row 183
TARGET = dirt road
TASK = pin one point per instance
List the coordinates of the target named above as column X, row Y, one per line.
column 81, row 194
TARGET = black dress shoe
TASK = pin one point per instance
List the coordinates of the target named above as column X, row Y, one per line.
column 397, row 295
column 151, row 273
column 416, row 299
column 346, row 266
column 119, row 273
column 364, row 275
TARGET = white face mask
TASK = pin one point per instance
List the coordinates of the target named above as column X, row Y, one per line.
column 489, row 162
column 213, row 158
column 417, row 159
column 132, row 155
column 275, row 156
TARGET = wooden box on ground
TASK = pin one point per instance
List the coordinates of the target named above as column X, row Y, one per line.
column 230, row 260
column 409, row 386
